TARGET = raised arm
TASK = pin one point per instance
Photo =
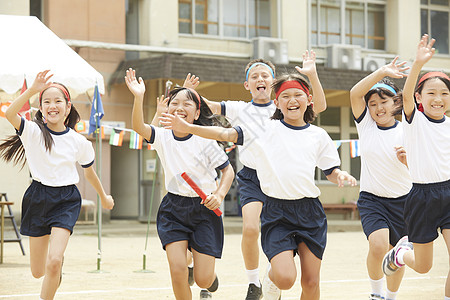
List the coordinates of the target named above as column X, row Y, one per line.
column 161, row 107
column 40, row 83
column 208, row 132
column 91, row 176
column 424, row 53
column 214, row 200
column 192, row 82
column 357, row 93
column 137, row 88
column 340, row 177
column 309, row 69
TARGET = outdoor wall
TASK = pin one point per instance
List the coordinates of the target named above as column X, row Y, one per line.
column 15, row 7
column 294, row 26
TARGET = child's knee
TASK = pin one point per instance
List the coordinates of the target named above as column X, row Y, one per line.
column 310, row 283
column 284, row 280
column 250, row 230
column 378, row 249
column 203, row 281
column 423, row 268
column 54, row 265
column 37, row 273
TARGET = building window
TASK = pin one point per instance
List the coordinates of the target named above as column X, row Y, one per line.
column 434, row 22
column 230, row 18
column 364, row 23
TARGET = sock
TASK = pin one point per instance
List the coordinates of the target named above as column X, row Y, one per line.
column 377, row 286
column 399, row 256
column 253, row 277
column 191, row 265
column 390, row 295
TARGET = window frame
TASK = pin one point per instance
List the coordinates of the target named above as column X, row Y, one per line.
column 221, row 23
column 342, row 13
column 436, row 7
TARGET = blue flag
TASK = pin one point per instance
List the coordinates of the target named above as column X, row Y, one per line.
column 96, row 112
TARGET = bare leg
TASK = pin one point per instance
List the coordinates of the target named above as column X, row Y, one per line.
column 38, row 255
column 59, row 238
column 283, row 272
column 310, row 267
column 446, row 234
column 204, row 271
column 250, row 232
column 176, row 255
column 421, row 258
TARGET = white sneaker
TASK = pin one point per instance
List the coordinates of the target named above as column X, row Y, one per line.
column 390, row 262
column 375, row 297
column 269, row 289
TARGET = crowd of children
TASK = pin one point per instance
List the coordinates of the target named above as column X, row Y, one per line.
column 404, row 186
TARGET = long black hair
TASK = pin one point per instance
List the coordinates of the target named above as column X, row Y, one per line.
column 309, row 114
column 11, row 148
column 206, row 117
column 384, row 92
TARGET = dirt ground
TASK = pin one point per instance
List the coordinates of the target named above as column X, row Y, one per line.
column 343, row 274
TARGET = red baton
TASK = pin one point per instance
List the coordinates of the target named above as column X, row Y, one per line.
column 199, row 192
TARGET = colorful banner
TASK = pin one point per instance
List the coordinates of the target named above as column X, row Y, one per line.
column 116, row 138
column 135, row 140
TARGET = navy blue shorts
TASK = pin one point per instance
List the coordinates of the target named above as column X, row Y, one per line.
column 185, row 219
column 287, row 223
column 249, row 187
column 379, row 212
column 427, row 208
column 44, row 207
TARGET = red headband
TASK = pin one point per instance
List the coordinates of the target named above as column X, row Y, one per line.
column 433, row 74
column 289, row 85
column 58, row 86
column 196, row 95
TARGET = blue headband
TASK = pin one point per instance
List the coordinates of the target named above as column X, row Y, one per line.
column 259, row 64
column 384, row 86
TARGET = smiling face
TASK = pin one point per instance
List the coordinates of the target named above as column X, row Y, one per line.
column 293, row 103
column 184, row 107
column 259, row 83
column 435, row 98
column 54, row 108
column 381, row 110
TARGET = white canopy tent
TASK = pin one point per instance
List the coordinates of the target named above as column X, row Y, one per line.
column 29, row 47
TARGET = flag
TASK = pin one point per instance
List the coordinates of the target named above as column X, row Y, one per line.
column 354, row 149
column 135, row 140
column 337, row 144
column 25, row 110
column 116, row 137
column 96, row 111
column 149, row 146
column 3, row 107
column 80, row 127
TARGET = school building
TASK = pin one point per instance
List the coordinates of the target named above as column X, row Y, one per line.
column 215, row 39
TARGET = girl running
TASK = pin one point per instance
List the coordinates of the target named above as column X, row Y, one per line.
column 52, row 203
column 185, row 221
column 427, row 135
column 385, row 180
column 288, row 150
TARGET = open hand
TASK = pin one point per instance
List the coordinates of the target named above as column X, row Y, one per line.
column 309, row 63
column 425, row 49
column 137, row 88
column 395, row 70
column 191, row 81
column 174, row 122
column 41, row 82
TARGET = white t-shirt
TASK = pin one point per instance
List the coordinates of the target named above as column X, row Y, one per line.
column 382, row 174
column 427, row 144
column 57, row 167
column 241, row 113
column 196, row 156
column 287, row 156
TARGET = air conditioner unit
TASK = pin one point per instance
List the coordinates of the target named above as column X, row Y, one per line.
column 373, row 63
column 275, row 50
column 344, row 57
